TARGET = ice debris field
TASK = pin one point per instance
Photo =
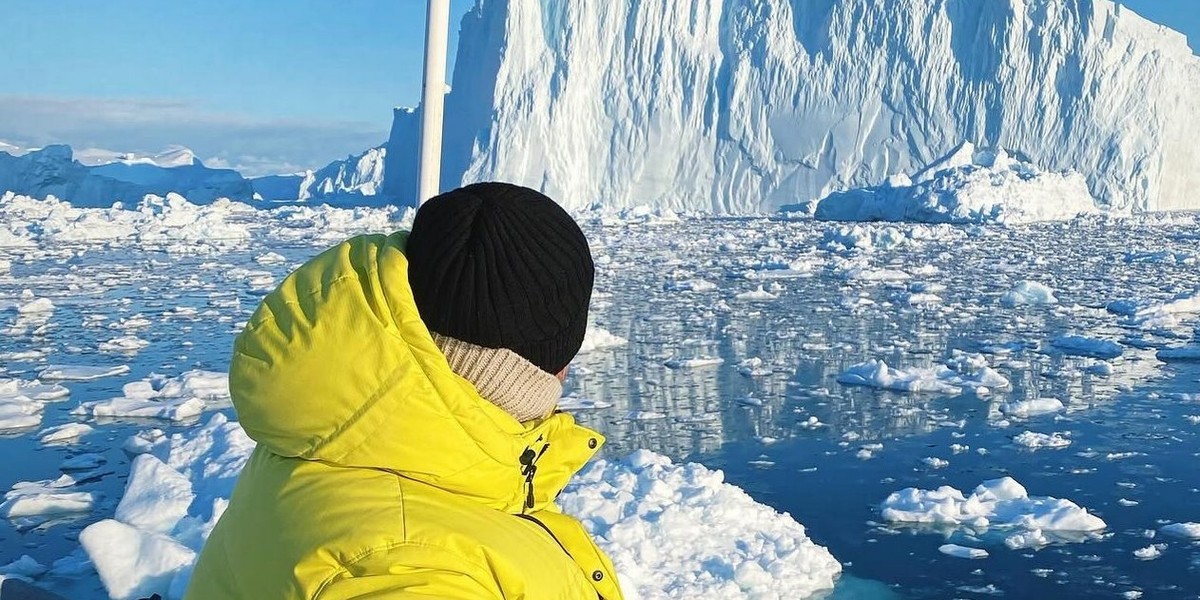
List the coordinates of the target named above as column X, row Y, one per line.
column 956, row 410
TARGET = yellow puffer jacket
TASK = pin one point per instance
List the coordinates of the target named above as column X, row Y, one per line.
column 379, row 473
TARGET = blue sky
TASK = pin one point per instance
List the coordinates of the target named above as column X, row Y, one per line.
column 260, row 85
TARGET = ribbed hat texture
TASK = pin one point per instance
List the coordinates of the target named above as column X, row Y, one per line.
column 502, row 266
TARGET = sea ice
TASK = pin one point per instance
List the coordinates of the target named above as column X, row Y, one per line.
column 158, row 397
column 595, row 339
column 156, row 496
column 80, row 373
column 644, row 511
column 1034, row 440
column 133, row 563
column 1001, row 503
column 962, row 551
column 1033, row 408
column 45, row 498
column 693, row 363
column 940, row 379
column 1029, row 292
column 1189, row 531
column 65, row 433
column 1078, row 345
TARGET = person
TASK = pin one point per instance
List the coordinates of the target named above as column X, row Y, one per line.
column 402, row 391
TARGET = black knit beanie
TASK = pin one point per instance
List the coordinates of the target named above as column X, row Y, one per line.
column 502, row 266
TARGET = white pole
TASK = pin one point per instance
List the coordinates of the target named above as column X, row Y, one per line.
column 437, row 32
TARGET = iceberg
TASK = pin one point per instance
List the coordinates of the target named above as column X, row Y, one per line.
column 745, row 107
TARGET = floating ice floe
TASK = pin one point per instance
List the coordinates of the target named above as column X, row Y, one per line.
column 573, row 403
column 1034, row 440
column 1189, row 531
column 693, row 363
column 690, row 285
column 758, row 295
column 940, row 379
column 126, row 344
column 962, row 551
column 1165, row 315
column 999, row 503
column 643, row 510
column 66, row 433
column 595, row 339
column 1033, row 408
column 1150, row 552
column 34, row 502
column 21, row 403
column 24, row 568
column 1029, row 292
column 176, row 399
column 80, row 373
column 1078, row 345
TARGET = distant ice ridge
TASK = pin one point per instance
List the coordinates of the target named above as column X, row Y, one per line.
column 101, row 178
column 744, row 107
column 969, row 186
column 643, row 510
column 179, row 224
column 357, row 180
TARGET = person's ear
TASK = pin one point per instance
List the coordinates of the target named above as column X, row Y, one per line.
column 562, row 375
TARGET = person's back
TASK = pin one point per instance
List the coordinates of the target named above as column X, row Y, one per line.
column 402, row 391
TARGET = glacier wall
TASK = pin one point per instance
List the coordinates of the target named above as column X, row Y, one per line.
column 741, row 106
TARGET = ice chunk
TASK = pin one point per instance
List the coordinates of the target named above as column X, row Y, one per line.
column 23, row 568
column 1033, row 408
column 1078, row 345
column 758, row 295
column 133, row 563
column 157, row 397
column 1189, row 531
column 45, row 498
column 962, row 551
column 156, row 496
column 645, row 511
column 939, row 379
column 19, row 412
column 1150, row 552
column 82, row 462
column 1029, row 292
column 998, row 503
column 693, row 363
column 80, row 373
column 127, row 344
column 1034, row 440
column 69, row 432
column 595, row 339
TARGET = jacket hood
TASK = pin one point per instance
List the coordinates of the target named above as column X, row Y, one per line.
column 337, row 366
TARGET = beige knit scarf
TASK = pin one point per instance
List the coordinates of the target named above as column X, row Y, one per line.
column 503, row 378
